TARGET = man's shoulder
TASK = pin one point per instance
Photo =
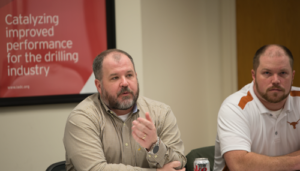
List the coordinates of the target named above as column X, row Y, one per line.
column 295, row 91
column 154, row 107
column 91, row 100
column 144, row 101
column 240, row 98
column 90, row 106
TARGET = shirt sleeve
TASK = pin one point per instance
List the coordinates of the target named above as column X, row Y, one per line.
column 233, row 129
column 171, row 146
column 84, row 148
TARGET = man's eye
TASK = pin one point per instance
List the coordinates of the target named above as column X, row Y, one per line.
column 282, row 73
column 114, row 78
column 129, row 75
column 266, row 73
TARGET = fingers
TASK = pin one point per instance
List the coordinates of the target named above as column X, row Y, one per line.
column 148, row 117
column 139, row 128
column 143, row 124
column 175, row 164
column 140, row 134
column 171, row 166
column 144, row 131
column 147, row 122
column 137, row 138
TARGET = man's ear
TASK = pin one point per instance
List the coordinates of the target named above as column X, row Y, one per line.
column 293, row 75
column 253, row 75
column 98, row 85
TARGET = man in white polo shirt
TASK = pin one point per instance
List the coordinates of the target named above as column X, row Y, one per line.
column 258, row 126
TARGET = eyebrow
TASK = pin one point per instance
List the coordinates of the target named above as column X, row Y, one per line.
column 115, row 74
column 266, row 69
column 129, row 71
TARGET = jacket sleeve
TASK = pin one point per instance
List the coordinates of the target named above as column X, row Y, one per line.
column 84, row 147
column 171, row 146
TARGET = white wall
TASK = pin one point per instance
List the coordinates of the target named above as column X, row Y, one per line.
column 185, row 56
column 189, row 61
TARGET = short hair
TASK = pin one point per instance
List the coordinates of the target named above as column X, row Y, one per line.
column 262, row 50
column 98, row 62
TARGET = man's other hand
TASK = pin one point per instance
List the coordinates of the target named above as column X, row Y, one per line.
column 144, row 131
column 171, row 167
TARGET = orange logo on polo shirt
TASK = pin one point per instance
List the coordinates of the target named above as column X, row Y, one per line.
column 293, row 123
column 245, row 99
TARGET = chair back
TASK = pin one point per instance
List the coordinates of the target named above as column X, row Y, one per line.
column 58, row 166
column 204, row 152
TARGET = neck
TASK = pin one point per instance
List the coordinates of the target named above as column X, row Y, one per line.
column 272, row 106
column 122, row 112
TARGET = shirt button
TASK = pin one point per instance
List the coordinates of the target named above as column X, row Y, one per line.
column 276, row 133
column 155, row 156
column 149, row 155
column 126, row 144
column 271, row 115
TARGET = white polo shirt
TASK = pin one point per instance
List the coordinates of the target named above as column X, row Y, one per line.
column 244, row 123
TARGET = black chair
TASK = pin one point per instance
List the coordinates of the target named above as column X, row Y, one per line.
column 58, row 166
column 204, row 152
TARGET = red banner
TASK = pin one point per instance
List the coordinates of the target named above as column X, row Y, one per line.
column 48, row 46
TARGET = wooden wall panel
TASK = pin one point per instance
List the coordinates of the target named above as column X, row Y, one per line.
column 261, row 22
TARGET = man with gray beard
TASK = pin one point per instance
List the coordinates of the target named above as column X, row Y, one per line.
column 116, row 129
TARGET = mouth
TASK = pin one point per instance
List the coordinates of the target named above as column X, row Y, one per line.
column 275, row 89
column 125, row 93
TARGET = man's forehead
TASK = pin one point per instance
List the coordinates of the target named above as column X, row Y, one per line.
column 274, row 51
column 274, row 57
column 116, row 61
column 115, row 56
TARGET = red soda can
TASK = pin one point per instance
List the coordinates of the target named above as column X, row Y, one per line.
column 201, row 164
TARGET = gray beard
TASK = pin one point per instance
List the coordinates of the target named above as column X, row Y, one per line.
column 113, row 103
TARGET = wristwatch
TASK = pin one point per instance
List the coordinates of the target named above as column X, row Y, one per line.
column 155, row 147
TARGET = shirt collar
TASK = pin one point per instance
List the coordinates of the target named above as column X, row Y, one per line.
column 135, row 108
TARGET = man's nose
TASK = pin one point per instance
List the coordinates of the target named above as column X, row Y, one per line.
column 275, row 79
column 124, row 82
